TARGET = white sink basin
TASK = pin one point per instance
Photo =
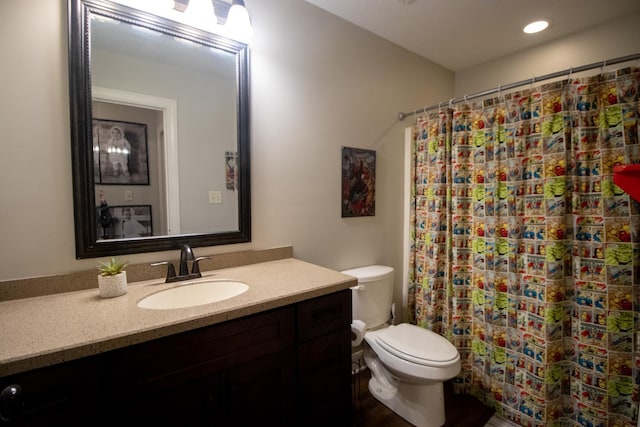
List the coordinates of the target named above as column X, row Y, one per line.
column 193, row 294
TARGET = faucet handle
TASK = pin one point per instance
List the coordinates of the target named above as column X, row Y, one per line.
column 171, row 271
column 195, row 268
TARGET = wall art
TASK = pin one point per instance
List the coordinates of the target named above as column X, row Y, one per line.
column 358, row 182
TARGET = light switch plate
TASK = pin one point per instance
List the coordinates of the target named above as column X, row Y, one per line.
column 128, row 195
column 215, row 196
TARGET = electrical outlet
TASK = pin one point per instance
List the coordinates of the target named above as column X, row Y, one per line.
column 215, row 197
column 128, row 196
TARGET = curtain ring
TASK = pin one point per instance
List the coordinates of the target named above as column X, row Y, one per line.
column 416, row 116
column 469, row 99
column 451, row 103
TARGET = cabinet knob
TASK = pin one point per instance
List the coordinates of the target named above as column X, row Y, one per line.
column 10, row 402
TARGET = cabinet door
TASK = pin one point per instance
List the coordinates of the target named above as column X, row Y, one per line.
column 180, row 403
column 324, row 360
column 324, row 382
column 68, row 394
column 260, row 392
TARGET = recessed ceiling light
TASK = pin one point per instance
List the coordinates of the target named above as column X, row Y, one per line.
column 535, row 27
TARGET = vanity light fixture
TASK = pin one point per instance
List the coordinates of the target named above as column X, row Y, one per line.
column 226, row 17
column 536, row 27
column 231, row 19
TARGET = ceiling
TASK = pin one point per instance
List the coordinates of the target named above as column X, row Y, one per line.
column 459, row 34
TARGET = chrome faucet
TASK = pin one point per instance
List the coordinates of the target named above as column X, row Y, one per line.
column 186, row 256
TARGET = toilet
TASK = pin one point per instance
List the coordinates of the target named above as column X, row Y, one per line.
column 408, row 364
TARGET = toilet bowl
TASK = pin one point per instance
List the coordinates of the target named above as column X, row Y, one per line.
column 408, row 363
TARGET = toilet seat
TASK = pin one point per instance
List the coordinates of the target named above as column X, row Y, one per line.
column 411, row 367
column 417, row 345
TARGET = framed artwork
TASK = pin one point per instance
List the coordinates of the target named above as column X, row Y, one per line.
column 358, row 182
column 120, row 153
column 124, row 222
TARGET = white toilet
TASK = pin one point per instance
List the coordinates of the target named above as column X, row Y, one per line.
column 408, row 363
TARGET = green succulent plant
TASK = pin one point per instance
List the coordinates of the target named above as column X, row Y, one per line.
column 112, row 267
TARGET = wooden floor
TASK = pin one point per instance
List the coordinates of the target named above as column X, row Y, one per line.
column 460, row 410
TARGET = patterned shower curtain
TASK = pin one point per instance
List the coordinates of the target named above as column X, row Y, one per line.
column 526, row 255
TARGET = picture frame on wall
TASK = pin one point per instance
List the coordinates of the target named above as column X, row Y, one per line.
column 120, row 153
column 358, row 182
column 124, row 221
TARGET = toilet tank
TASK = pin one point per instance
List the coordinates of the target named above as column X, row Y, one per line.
column 371, row 298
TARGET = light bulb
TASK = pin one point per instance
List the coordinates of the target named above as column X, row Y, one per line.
column 238, row 24
column 535, row 27
column 200, row 14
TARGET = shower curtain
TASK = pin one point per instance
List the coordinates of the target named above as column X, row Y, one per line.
column 526, row 255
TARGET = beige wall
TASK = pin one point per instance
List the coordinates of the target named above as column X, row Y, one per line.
column 318, row 83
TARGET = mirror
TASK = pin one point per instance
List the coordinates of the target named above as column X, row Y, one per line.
column 159, row 133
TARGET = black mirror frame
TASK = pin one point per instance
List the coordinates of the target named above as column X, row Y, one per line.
column 87, row 244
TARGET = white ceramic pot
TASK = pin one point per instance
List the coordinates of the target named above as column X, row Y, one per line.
column 112, row 286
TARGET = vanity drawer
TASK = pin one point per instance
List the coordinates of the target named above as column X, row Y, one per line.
column 322, row 315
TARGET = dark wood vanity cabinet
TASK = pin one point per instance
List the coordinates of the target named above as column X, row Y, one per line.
column 288, row 366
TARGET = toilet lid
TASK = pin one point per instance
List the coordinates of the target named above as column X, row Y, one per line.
column 370, row 273
column 417, row 345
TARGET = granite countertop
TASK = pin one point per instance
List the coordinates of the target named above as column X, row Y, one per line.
column 45, row 330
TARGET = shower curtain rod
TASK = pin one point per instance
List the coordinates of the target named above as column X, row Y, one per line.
column 402, row 116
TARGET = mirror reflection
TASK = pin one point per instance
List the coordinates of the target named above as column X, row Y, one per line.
column 168, row 123
column 138, row 167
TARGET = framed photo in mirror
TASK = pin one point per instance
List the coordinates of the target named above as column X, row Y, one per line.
column 124, row 222
column 120, row 153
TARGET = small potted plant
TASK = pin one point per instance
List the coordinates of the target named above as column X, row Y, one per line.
column 112, row 280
